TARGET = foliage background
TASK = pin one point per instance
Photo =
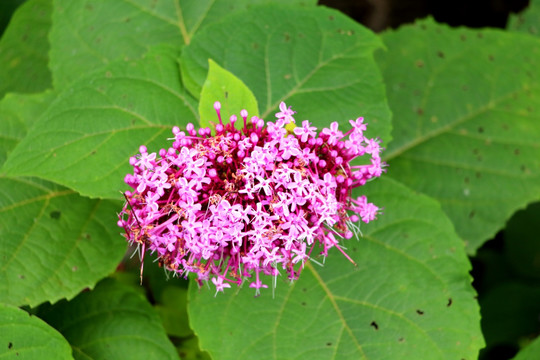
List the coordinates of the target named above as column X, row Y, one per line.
column 83, row 84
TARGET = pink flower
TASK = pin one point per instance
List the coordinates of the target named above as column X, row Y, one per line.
column 256, row 201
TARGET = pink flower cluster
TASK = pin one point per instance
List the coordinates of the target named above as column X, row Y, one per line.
column 237, row 204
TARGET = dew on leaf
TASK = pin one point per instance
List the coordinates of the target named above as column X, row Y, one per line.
column 449, row 302
column 374, row 325
column 55, row 214
column 419, row 312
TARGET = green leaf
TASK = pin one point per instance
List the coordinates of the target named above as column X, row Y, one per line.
column 24, row 47
column 173, row 311
column 86, row 137
column 410, row 295
column 530, row 352
column 18, row 113
column 467, row 125
column 234, row 96
column 528, row 21
column 53, row 242
column 23, row 336
column 7, row 8
column 317, row 60
column 87, row 34
column 111, row 322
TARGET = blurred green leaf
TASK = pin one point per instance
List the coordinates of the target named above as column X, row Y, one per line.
column 189, row 350
column 173, row 311
column 530, row 352
column 23, row 336
column 410, row 295
column 7, row 8
column 234, row 96
column 316, row 59
column 87, row 34
column 528, row 20
column 24, row 49
column 467, row 125
column 85, row 139
column 113, row 321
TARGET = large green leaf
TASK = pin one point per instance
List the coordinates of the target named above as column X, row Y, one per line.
column 87, row 34
column 316, row 59
column 409, row 298
column 53, row 242
column 86, row 137
column 24, row 47
column 113, row 321
column 466, row 123
column 23, row 336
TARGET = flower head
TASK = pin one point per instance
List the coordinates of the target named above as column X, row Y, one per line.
column 238, row 205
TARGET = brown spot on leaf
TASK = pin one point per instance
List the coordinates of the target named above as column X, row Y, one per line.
column 440, row 54
column 419, row 63
column 516, row 151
